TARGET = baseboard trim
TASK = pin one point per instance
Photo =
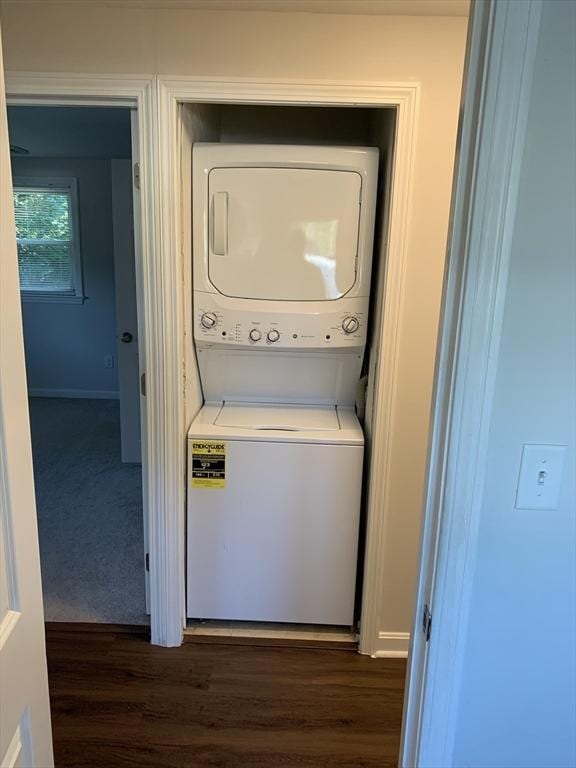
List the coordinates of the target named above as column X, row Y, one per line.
column 270, row 634
column 89, row 394
column 392, row 645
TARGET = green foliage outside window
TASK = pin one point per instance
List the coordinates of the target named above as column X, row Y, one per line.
column 44, row 236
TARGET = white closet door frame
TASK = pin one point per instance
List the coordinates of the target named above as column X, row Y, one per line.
column 404, row 99
column 136, row 93
column 169, row 361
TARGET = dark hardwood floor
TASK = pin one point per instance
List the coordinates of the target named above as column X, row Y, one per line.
column 118, row 701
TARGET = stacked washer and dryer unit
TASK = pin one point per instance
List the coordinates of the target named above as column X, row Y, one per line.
column 282, row 251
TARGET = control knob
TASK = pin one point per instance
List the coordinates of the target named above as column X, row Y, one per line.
column 255, row 335
column 350, row 324
column 208, row 319
column 273, row 335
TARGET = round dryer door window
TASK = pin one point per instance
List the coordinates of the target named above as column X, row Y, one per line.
column 283, row 233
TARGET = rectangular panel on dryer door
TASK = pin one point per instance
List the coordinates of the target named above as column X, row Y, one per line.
column 288, row 234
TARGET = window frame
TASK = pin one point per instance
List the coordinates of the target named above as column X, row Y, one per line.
column 68, row 184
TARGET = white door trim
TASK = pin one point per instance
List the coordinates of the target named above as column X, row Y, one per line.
column 404, row 97
column 157, row 101
column 502, row 51
column 129, row 91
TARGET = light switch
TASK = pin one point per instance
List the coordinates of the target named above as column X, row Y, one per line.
column 540, row 476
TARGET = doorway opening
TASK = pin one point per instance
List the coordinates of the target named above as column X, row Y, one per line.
column 74, row 210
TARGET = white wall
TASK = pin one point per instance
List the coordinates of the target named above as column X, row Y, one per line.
column 102, row 38
column 66, row 343
column 518, row 701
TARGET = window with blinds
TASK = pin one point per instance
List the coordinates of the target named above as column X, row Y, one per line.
column 46, row 227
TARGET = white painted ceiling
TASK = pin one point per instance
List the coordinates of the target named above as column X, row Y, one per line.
column 359, row 7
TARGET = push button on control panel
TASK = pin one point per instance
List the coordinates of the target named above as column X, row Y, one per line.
column 350, row 324
column 208, row 320
column 273, row 335
column 255, row 335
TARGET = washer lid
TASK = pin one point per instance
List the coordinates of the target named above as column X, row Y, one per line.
column 278, row 417
column 284, row 234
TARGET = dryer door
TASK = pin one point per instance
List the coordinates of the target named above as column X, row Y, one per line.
column 283, row 233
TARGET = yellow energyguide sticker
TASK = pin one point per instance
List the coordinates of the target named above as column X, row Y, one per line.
column 208, row 464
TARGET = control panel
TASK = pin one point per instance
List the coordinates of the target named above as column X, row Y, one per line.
column 280, row 328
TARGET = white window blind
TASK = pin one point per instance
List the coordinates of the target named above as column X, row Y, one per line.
column 46, row 234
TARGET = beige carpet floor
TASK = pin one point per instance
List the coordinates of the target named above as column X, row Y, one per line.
column 89, row 513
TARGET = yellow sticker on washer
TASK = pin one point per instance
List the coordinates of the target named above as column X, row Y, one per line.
column 208, row 464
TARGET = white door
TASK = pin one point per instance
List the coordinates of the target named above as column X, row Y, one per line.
column 283, row 233
column 421, row 634
column 502, row 39
column 25, row 732
column 126, row 310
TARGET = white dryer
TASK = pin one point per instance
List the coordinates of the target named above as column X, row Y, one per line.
column 282, row 241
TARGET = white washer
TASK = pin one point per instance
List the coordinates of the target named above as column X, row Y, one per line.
column 273, row 533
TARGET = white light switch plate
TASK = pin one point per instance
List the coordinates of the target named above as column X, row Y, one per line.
column 540, row 476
